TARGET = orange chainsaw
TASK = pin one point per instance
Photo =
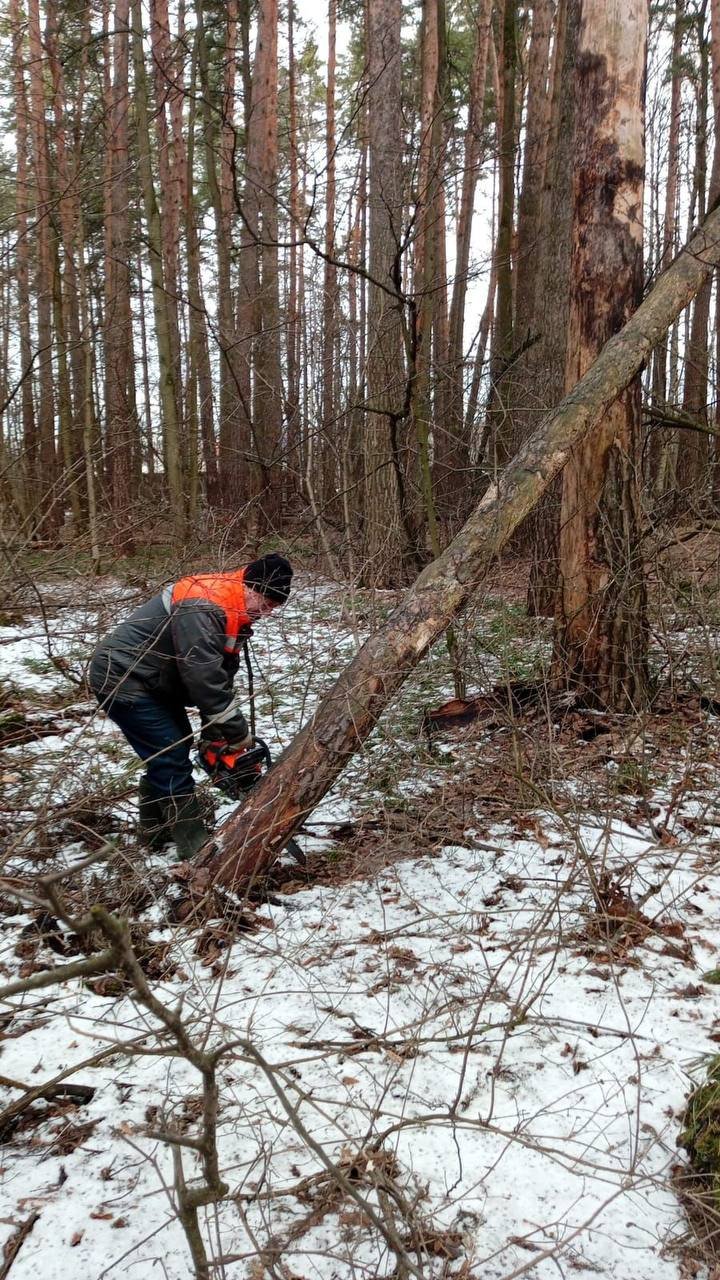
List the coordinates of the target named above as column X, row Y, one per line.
column 236, row 772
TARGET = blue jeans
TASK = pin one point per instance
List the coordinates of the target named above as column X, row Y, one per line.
column 161, row 734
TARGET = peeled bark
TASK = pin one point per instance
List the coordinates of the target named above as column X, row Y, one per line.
column 276, row 808
column 601, row 626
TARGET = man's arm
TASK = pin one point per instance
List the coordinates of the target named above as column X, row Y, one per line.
column 198, row 633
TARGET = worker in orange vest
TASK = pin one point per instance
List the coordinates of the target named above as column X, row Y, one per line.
column 182, row 649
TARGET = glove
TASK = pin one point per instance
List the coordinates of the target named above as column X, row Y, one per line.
column 217, row 742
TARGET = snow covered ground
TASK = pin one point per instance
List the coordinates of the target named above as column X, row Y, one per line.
column 497, row 1069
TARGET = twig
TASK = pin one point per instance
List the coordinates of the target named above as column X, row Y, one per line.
column 12, row 1247
column 63, row 973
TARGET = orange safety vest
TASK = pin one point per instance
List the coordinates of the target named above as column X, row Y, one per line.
column 225, row 590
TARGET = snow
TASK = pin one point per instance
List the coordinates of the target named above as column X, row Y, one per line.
column 453, row 1012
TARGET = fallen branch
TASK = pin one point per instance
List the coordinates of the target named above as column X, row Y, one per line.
column 81, row 1093
column 14, row 1244
column 100, row 963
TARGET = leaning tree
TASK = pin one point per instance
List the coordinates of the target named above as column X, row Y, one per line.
column 252, row 838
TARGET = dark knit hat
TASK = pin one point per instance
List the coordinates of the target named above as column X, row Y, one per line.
column 270, row 575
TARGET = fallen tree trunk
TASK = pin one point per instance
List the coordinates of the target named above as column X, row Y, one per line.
column 251, row 840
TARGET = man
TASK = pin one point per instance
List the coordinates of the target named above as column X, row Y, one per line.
column 182, row 648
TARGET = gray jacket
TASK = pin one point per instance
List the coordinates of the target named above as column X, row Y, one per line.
column 177, row 654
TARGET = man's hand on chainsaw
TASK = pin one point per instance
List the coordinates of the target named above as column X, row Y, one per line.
column 236, row 745
column 234, row 767
column 212, row 737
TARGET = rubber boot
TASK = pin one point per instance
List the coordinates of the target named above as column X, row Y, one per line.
column 187, row 828
column 154, row 831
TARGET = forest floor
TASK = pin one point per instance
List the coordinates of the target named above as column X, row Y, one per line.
column 485, row 1000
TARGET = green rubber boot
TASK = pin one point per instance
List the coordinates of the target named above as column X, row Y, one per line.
column 154, row 831
column 187, row 827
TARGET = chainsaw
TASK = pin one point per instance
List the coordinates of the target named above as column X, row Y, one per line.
column 236, row 772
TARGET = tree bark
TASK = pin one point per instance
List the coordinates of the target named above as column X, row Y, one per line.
column 671, row 186
column 547, row 359
column 49, row 515
column 472, row 163
column 601, row 627
column 276, row 808
column 691, row 472
column 164, row 310
column 499, row 421
column 386, row 548
column 199, row 354
column 537, row 126
column 293, row 469
column 234, row 483
column 66, row 282
column 661, row 446
column 329, row 438
column 119, row 372
column 28, row 490
column 262, row 180
column 425, row 264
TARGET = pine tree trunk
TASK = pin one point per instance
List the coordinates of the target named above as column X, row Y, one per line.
column 262, row 170
column 121, row 431
column 547, row 360
column 671, row 187
column 169, row 97
column 472, row 162
column 425, row 267
column 499, row 421
column 234, row 440
column 691, row 474
column 386, row 544
column 293, row 468
column 534, row 232
column 67, row 282
column 28, row 490
column 199, row 354
column 529, row 227
column 330, row 434
column 162, row 303
column 49, row 515
column 601, row 628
